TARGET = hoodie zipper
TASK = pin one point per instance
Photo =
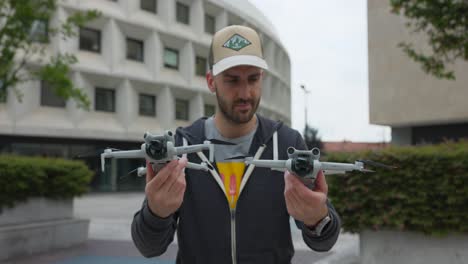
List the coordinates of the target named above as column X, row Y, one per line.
column 246, row 176
column 233, row 236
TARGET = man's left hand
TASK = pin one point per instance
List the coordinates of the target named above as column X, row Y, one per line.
column 304, row 204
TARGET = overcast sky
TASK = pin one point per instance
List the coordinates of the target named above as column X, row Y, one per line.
column 327, row 46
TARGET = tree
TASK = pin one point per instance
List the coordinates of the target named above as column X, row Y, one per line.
column 445, row 22
column 24, row 33
column 311, row 138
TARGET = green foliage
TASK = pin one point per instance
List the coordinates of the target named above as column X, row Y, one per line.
column 18, row 44
column 428, row 192
column 445, row 23
column 24, row 177
column 311, row 137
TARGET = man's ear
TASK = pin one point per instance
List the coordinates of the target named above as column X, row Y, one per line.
column 210, row 81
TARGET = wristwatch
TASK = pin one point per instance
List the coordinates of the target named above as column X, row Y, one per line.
column 317, row 230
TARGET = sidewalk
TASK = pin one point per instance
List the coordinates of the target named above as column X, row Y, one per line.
column 110, row 240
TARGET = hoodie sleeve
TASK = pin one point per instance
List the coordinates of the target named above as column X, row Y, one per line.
column 330, row 233
column 152, row 234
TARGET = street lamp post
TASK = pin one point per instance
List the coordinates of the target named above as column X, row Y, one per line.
column 305, row 103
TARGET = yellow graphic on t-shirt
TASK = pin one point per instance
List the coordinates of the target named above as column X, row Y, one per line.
column 231, row 173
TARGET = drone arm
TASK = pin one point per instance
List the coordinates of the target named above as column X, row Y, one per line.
column 125, row 154
column 331, row 172
column 274, row 164
column 195, row 166
column 334, row 166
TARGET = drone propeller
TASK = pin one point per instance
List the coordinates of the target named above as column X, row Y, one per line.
column 221, row 142
column 237, row 158
column 95, row 153
column 377, row 164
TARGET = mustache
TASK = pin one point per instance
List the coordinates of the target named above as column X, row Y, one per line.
column 243, row 101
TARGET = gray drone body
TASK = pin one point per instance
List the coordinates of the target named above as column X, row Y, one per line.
column 160, row 149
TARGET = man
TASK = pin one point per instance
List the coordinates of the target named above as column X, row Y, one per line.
column 234, row 214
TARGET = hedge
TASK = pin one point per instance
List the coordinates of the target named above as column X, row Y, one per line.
column 428, row 193
column 25, row 177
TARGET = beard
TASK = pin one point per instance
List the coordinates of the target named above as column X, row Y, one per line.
column 236, row 116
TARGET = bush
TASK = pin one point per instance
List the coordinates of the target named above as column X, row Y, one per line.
column 25, row 177
column 428, row 192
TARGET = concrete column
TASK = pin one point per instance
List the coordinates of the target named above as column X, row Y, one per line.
column 187, row 62
column 112, row 47
column 197, row 16
column 196, row 107
column 78, row 114
column 167, row 11
column 28, row 101
column 126, row 104
column 221, row 20
column 166, row 108
column 56, row 42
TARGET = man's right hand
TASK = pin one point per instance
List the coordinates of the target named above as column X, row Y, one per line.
column 165, row 190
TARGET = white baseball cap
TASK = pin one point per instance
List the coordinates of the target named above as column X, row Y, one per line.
column 233, row 46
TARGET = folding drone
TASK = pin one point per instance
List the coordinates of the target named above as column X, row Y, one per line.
column 160, row 149
column 306, row 164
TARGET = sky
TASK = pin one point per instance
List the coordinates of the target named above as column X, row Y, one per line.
column 327, row 46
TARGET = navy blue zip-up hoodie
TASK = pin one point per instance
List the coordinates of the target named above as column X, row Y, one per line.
column 203, row 222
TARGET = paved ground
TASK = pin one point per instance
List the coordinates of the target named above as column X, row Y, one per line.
column 110, row 241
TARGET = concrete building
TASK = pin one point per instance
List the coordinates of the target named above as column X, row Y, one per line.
column 142, row 65
column 418, row 107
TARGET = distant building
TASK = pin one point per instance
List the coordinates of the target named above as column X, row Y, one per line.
column 418, row 107
column 142, row 65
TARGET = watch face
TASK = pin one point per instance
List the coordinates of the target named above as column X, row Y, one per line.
column 321, row 225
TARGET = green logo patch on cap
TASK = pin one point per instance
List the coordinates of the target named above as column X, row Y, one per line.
column 236, row 42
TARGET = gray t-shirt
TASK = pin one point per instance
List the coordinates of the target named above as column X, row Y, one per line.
column 223, row 152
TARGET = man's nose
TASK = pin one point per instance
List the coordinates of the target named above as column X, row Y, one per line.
column 244, row 90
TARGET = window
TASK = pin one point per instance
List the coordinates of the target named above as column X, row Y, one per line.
column 182, row 107
column 90, row 40
column 210, row 24
column 39, row 31
column 104, row 100
column 3, row 93
column 209, row 110
column 149, row 5
column 49, row 98
column 171, row 58
column 200, row 66
column 135, row 49
column 182, row 13
column 147, row 105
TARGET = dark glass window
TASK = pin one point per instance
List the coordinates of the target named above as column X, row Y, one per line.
column 49, row 98
column 3, row 93
column 135, row 49
column 39, row 31
column 171, row 58
column 200, row 66
column 210, row 24
column 104, row 100
column 149, row 5
column 147, row 105
column 182, row 109
column 90, row 40
column 209, row 110
column 182, row 13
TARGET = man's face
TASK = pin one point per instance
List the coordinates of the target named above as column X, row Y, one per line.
column 238, row 91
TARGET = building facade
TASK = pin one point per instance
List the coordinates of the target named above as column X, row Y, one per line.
column 142, row 64
column 418, row 107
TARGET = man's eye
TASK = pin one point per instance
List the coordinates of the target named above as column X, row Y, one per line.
column 231, row 81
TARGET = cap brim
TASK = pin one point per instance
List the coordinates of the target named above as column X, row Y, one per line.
column 233, row 61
